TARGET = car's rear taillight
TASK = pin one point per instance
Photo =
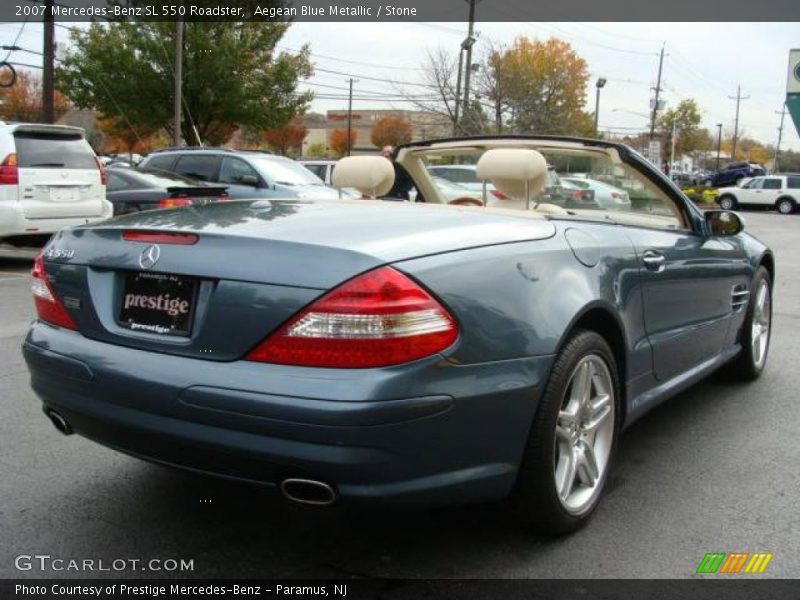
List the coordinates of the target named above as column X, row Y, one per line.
column 174, row 202
column 9, row 174
column 498, row 194
column 102, row 170
column 378, row 319
column 48, row 306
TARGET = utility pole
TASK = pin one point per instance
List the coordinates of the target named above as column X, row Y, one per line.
column 672, row 150
column 178, row 72
column 658, row 92
column 49, row 51
column 350, row 118
column 719, row 142
column 780, row 137
column 738, row 97
column 469, row 43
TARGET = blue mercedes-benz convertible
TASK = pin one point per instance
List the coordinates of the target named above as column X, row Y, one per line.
column 444, row 350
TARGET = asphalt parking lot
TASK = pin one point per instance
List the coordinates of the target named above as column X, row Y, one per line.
column 715, row 469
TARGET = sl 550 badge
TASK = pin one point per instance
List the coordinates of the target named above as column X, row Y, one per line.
column 59, row 253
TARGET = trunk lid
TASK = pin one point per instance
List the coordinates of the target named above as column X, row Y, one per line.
column 254, row 264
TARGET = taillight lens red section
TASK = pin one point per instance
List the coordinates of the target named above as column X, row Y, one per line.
column 378, row 319
column 157, row 237
column 48, row 306
column 102, row 170
column 9, row 174
column 498, row 194
column 174, row 202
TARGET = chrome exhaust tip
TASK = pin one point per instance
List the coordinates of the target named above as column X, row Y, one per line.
column 308, row 491
column 59, row 422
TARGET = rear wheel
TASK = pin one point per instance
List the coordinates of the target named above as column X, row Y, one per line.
column 727, row 203
column 572, row 439
column 756, row 330
column 785, row 206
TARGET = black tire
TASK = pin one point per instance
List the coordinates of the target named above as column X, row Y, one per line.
column 728, row 203
column 785, row 206
column 535, row 499
column 745, row 367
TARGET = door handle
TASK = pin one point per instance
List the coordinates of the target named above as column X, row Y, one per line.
column 654, row 261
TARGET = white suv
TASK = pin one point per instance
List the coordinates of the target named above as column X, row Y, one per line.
column 49, row 178
column 779, row 191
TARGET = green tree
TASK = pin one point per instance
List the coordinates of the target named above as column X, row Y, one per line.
column 688, row 134
column 233, row 76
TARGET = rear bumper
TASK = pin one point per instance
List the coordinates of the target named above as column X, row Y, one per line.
column 424, row 433
column 13, row 222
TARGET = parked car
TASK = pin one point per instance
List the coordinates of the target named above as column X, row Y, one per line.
column 734, row 173
column 781, row 192
column 465, row 176
column 49, row 178
column 605, row 195
column 408, row 353
column 246, row 173
column 134, row 190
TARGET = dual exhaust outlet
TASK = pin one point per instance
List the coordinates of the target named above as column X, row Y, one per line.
column 302, row 491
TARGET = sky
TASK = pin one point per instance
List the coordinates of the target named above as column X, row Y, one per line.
column 704, row 61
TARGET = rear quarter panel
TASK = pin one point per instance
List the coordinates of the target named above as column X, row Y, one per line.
column 522, row 299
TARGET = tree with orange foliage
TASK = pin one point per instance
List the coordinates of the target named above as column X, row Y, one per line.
column 289, row 138
column 122, row 138
column 537, row 87
column 23, row 100
column 391, row 131
column 338, row 142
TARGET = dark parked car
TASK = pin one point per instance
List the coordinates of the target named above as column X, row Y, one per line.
column 246, row 173
column 134, row 190
column 734, row 173
column 400, row 352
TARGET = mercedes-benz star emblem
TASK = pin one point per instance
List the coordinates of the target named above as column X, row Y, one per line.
column 149, row 257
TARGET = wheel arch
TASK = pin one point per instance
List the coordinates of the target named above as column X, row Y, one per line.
column 768, row 262
column 602, row 319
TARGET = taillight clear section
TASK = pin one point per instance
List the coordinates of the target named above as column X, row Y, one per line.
column 378, row 319
column 48, row 306
column 9, row 174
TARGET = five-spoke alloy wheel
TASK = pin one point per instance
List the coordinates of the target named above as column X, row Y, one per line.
column 571, row 442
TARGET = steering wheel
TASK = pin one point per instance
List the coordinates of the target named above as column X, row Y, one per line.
column 466, row 201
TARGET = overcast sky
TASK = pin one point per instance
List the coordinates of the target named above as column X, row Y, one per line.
column 705, row 61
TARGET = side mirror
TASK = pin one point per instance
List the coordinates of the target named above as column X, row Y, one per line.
column 250, row 180
column 723, row 222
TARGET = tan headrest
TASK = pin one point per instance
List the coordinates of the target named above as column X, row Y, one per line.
column 370, row 175
column 509, row 168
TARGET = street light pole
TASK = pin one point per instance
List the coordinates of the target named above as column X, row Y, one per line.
column 471, row 41
column 601, row 82
column 458, row 90
column 719, row 142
